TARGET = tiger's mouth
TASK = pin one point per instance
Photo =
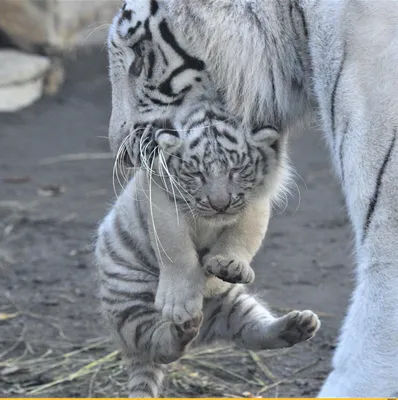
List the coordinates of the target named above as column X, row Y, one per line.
column 141, row 141
column 220, row 218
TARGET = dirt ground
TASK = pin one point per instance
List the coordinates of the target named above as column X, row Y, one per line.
column 52, row 341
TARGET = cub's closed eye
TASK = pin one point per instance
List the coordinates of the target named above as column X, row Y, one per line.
column 198, row 174
column 237, row 170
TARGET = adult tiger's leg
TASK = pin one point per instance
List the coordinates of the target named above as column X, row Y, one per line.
column 360, row 117
column 365, row 362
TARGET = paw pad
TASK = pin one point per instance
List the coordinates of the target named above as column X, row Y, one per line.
column 230, row 270
column 300, row 326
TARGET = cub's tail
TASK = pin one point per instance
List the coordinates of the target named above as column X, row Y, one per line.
column 145, row 380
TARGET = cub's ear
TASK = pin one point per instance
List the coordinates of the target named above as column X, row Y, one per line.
column 168, row 140
column 266, row 136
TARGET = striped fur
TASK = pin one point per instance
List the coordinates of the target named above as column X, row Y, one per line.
column 155, row 291
column 271, row 59
column 168, row 253
column 174, row 252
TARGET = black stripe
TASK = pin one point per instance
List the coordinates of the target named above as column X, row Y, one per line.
column 112, row 253
column 165, row 87
column 133, row 29
column 196, row 159
column 166, row 63
column 195, row 124
column 234, row 156
column 248, row 311
column 254, row 16
column 131, row 312
column 145, row 297
column 300, row 10
column 142, row 313
column 149, row 341
column 125, row 278
column 261, row 127
column 333, row 99
column 195, row 142
column 239, row 333
column 112, row 301
column 341, row 151
column 133, row 245
column 158, row 102
column 168, row 37
column 189, row 61
column 127, row 15
column 154, row 7
column 142, row 221
column 151, row 61
column 141, row 330
column 234, row 308
column 229, row 137
column 373, row 202
column 211, row 320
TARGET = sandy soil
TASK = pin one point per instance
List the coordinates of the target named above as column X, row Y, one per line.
column 52, row 341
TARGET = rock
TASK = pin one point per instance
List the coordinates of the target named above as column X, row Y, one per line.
column 56, row 24
column 22, row 78
column 25, row 23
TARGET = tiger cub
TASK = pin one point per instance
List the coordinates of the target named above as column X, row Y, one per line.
column 175, row 250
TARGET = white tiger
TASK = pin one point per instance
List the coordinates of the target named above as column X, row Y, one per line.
column 174, row 251
column 271, row 60
column 272, row 56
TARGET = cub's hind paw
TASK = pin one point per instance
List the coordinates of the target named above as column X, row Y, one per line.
column 229, row 269
column 188, row 331
column 182, row 335
column 299, row 327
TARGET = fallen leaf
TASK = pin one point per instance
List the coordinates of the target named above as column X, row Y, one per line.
column 5, row 316
column 16, row 179
column 51, row 190
column 9, row 370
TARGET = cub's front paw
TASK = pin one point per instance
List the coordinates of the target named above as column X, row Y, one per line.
column 299, row 326
column 229, row 269
column 179, row 302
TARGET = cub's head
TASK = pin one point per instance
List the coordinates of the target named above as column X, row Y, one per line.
column 215, row 171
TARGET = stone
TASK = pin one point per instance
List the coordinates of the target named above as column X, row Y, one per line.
column 22, row 78
column 63, row 25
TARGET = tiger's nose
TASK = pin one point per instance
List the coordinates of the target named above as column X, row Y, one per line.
column 220, row 203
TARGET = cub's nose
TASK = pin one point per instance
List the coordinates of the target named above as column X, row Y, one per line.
column 219, row 203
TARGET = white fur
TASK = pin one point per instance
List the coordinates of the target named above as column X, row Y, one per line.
column 247, row 45
column 243, row 49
